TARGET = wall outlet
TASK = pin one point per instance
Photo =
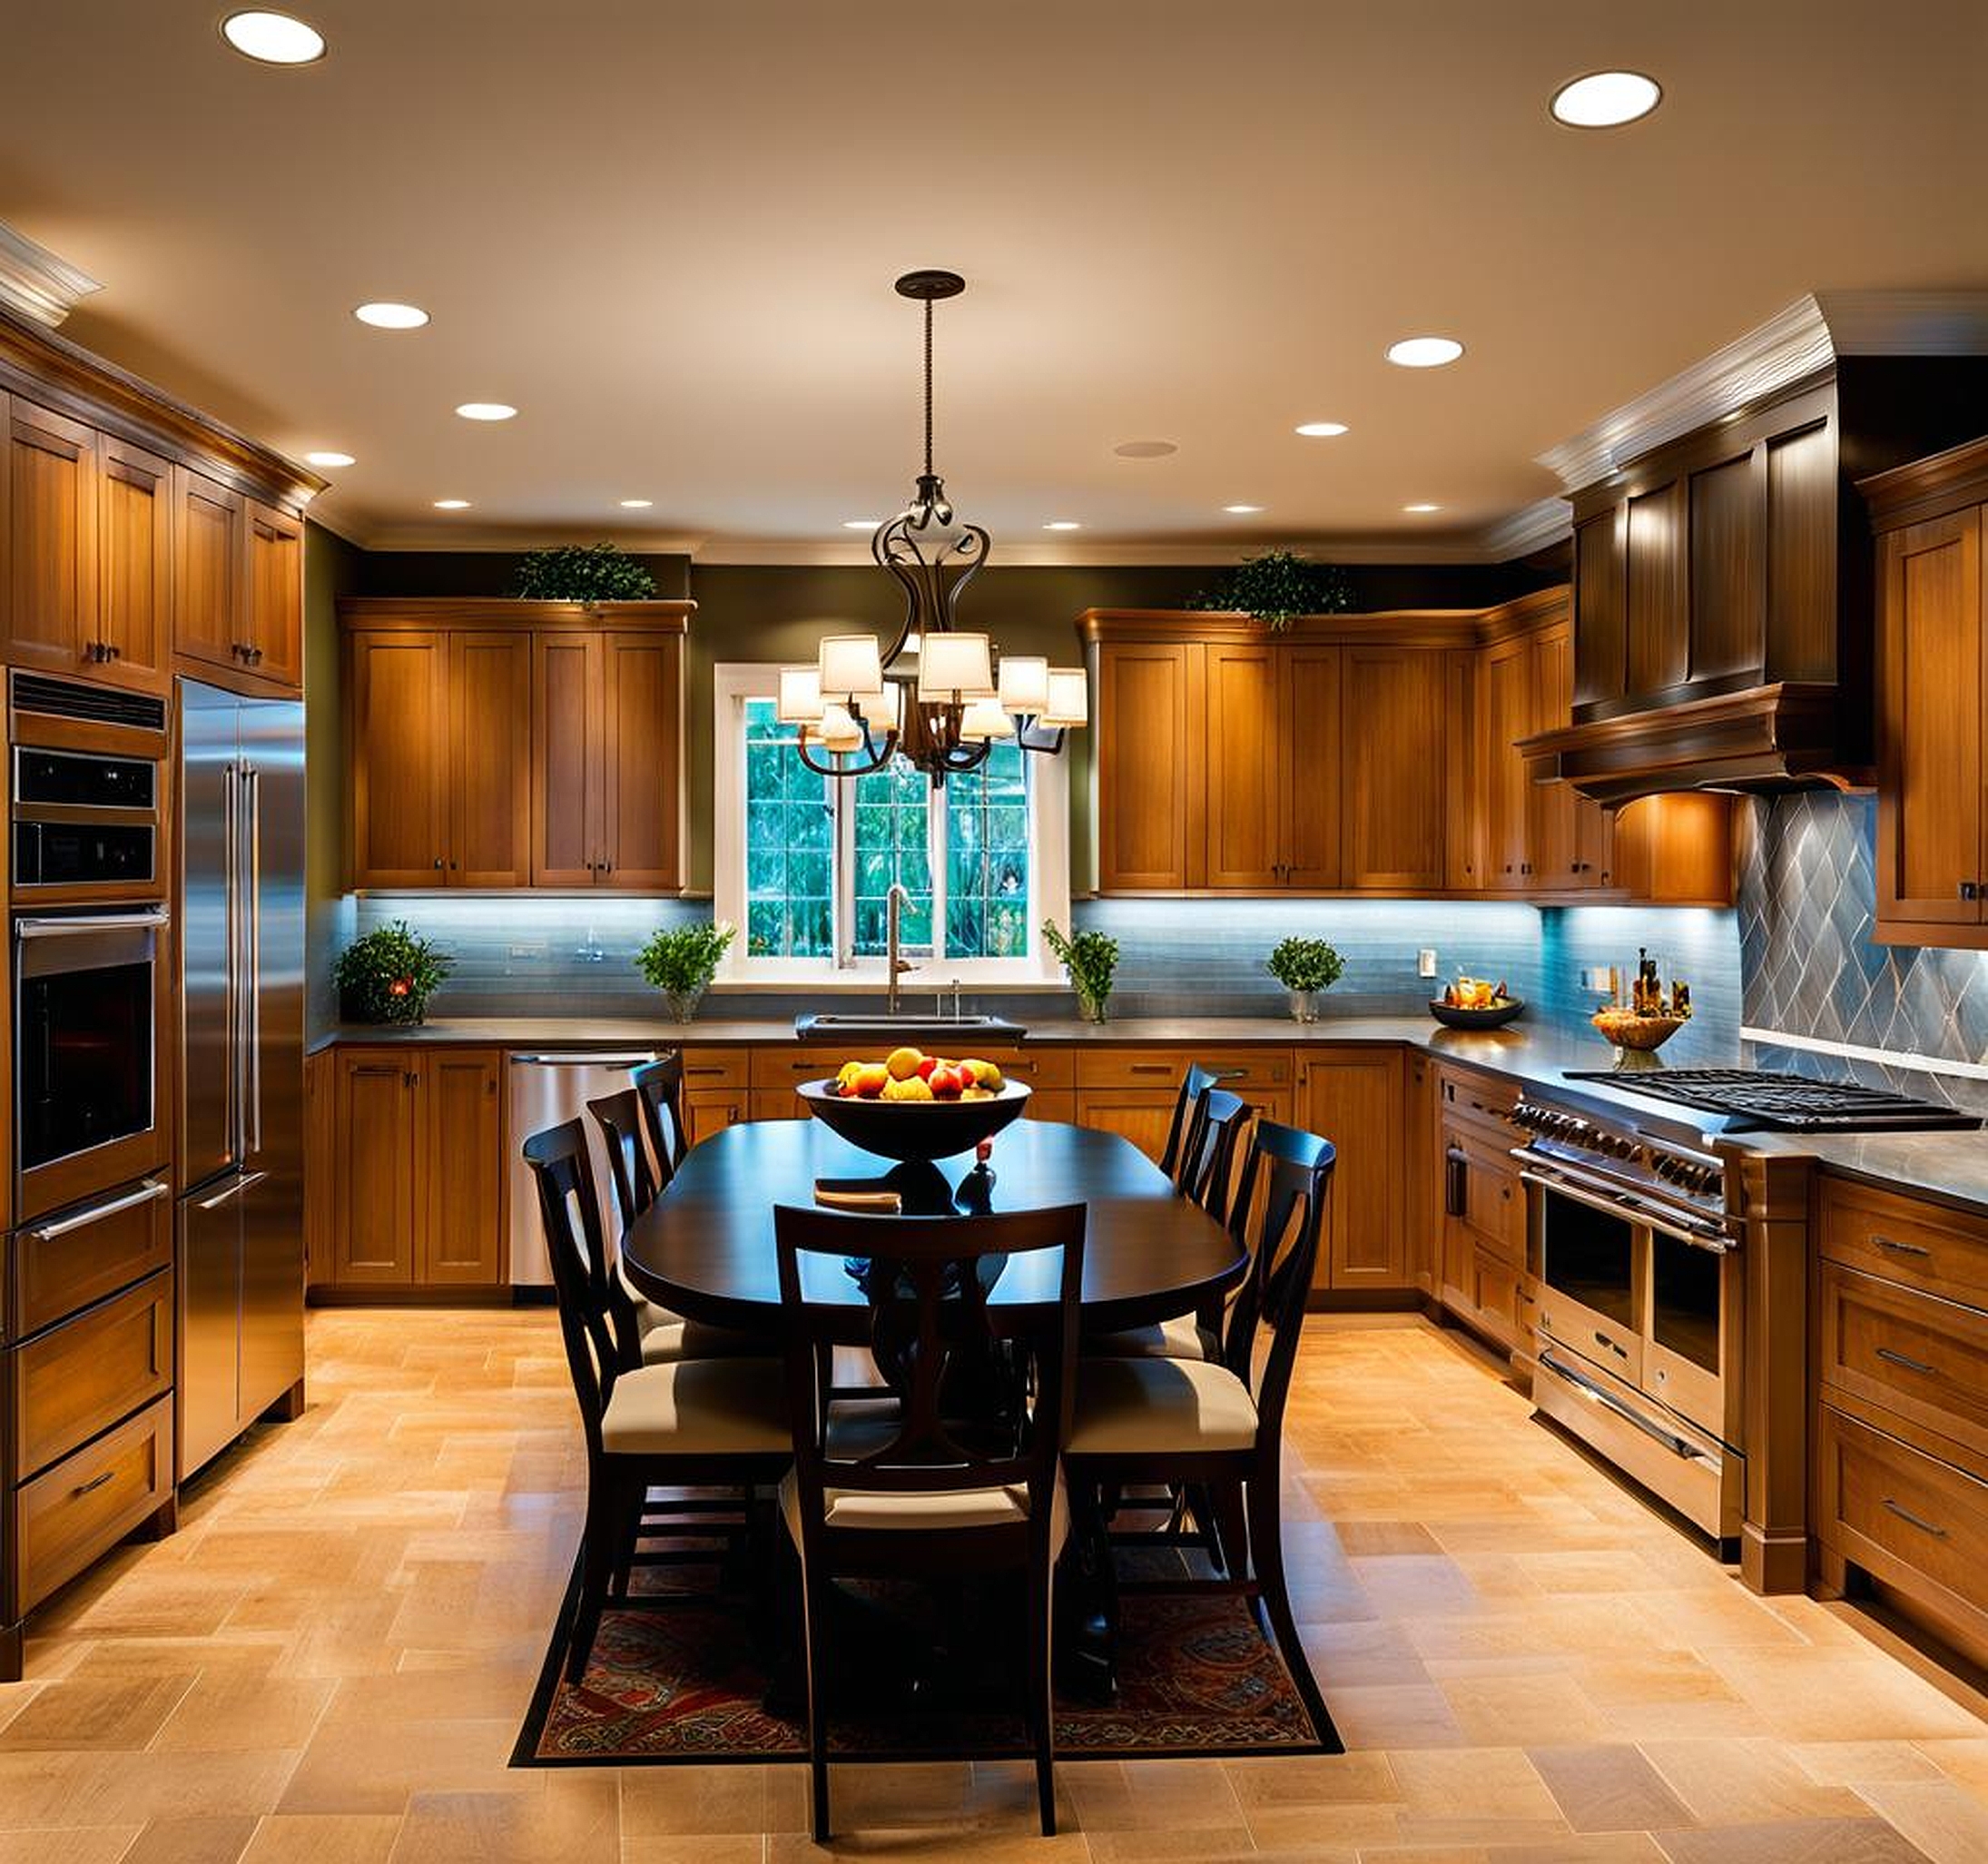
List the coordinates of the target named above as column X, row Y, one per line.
column 527, row 951
column 1425, row 962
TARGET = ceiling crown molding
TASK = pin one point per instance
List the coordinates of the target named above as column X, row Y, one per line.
column 1907, row 323
column 1532, row 529
column 37, row 284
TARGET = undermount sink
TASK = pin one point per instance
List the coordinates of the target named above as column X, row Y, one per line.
column 905, row 1027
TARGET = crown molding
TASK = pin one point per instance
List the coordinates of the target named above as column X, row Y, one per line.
column 36, row 284
column 1907, row 323
column 1533, row 529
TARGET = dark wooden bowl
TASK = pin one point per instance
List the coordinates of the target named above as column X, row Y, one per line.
column 914, row 1130
column 1454, row 1016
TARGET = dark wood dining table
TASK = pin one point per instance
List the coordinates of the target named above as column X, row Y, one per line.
column 704, row 1249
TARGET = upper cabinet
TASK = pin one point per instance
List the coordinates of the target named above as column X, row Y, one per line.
column 504, row 743
column 238, row 602
column 1393, row 799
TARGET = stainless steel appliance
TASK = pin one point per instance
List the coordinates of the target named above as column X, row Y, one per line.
column 241, row 1137
column 547, row 1088
column 1758, row 1099
column 85, row 819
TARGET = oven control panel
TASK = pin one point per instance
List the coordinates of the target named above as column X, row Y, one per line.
column 1625, row 1157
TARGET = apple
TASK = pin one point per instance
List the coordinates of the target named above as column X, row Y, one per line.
column 870, row 1079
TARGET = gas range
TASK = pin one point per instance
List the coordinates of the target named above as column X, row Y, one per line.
column 1679, row 1186
column 1759, row 1099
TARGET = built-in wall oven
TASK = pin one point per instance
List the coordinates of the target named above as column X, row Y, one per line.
column 1638, row 1320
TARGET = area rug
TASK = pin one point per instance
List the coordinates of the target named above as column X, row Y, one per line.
column 683, row 1682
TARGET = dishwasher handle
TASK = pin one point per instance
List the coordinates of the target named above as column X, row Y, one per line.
column 579, row 1059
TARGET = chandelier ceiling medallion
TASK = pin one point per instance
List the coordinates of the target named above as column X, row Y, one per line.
column 862, row 703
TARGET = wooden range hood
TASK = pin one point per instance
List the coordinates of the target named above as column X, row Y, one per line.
column 1723, row 587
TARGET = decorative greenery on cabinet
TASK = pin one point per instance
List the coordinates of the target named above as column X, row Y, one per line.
column 582, row 573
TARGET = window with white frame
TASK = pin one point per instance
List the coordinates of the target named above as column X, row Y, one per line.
column 804, row 864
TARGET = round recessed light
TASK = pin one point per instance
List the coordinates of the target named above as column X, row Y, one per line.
column 1145, row 450
column 486, row 410
column 1424, row 352
column 861, row 524
column 1419, row 510
column 452, row 505
column 1241, row 510
column 637, row 504
column 329, row 459
column 392, row 316
column 1321, row 430
column 1604, row 99
column 1063, row 524
column 273, row 38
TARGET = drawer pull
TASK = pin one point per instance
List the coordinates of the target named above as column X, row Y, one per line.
column 1898, row 1248
column 1918, row 1521
column 1601, row 1339
column 1911, row 1365
column 1154, row 1067
column 712, row 1068
column 95, row 1482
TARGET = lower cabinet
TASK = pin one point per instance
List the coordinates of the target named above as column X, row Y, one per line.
column 1480, row 1266
column 1353, row 1096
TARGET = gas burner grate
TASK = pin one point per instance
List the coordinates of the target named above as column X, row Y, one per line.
column 1787, row 1103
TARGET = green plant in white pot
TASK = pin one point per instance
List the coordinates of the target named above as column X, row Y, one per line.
column 1307, row 967
column 1088, row 959
column 681, row 961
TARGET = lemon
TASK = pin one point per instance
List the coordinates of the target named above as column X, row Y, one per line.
column 903, row 1062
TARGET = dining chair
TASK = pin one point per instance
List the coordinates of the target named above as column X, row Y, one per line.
column 1180, row 1129
column 660, row 1085
column 923, row 1485
column 1209, row 1163
column 694, row 1423
column 1217, row 1429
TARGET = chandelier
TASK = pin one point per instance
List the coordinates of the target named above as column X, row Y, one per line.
column 862, row 704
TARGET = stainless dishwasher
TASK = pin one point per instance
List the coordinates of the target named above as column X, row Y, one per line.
column 548, row 1088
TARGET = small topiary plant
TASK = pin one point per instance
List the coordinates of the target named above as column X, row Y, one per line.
column 582, row 573
column 1278, row 586
column 681, row 961
column 389, row 975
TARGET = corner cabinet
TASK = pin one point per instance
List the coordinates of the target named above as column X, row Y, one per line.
column 501, row 745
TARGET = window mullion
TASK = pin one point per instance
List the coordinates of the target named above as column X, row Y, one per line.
column 844, row 876
column 935, row 854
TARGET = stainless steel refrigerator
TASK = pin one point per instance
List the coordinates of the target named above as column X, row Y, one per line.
column 242, row 1033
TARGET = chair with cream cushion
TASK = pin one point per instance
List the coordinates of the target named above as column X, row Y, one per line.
column 695, row 1424
column 1216, row 1428
column 956, row 1470
column 659, row 1085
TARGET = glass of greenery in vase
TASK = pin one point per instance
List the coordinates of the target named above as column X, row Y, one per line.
column 1307, row 967
column 389, row 975
column 1088, row 958
column 681, row 961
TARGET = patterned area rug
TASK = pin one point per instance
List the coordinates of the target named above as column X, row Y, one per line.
column 685, row 1683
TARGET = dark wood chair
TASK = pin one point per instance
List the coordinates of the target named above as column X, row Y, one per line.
column 922, row 1485
column 1209, row 1163
column 660, row 1086
column 698, row 1422
column 1216, row 1429
column 1181, row 1130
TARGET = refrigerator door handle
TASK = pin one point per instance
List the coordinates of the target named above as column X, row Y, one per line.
column 252, row 970
column 246, row 1182
column 231, row 797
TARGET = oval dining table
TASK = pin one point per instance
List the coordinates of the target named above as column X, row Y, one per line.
column 705, row 1248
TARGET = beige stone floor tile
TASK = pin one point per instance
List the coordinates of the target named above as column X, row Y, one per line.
column 1853, row 1763
column 1948, row 1824
column 358, row 1766
column 1608, row 1787
column 1494, row 1783
column 1403, row 1716
column 191, row 1841
column 1526, row 1709
column 1804, row 1841
column 498, row 1828
column 1313, row 1780
column 1344, row 1827
column 73, row 1844
column 320, row 1838
column 703, row 1850
column 228, row 1711
column 1746, row 1782
column 1148, row 1796
column 659, row 1801
column 73, row 1714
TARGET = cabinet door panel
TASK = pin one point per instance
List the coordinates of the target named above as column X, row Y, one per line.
column 1552, row 830
column 275, row 584
column 644, row 705
column 399, row 717
column 1392, row 774
column 1139, row 1114
column 1676, row 850
column 52, row 560
column 566, row 763
column 1353, row 1097
column 1149, row 757
column 1246, row 759
column 489, row 773
column 1508, row 717
column 1929, row 842
column 1602, row 654
column 462, row 1168
column 1311, row 841
column 134, row 533
column 1463, row 799
column 1728, row 569
column 1658, row 619
column 378, row 1220
column 208, row 601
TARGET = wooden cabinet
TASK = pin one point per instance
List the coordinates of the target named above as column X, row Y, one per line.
column 717, row 1091
column 1674, row 850
column 1570, row 839
column 1151, row 791
column 1481, row 1267
column 1506, row 671
column 1248, row 754
column 273, row 580
column 1464, row 852
column 488, row 782
column 396, row 717
column 416, row 1168
column 1353, row 1097
column 1313, row 714
column 211, row 532
column 1392, row 775
column 641, row 839
column 135, row 563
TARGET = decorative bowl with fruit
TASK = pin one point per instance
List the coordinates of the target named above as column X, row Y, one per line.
column 913, row 1106
column 1640, row 1030
column 1474, row 1002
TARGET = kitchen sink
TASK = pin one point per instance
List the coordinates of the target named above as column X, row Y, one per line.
column 944, row 1031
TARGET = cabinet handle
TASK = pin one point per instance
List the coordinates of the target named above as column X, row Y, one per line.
column 408, row 1081
column 438, row 863
column 1152, row 1068
column 1455, row 1184
column 1970, row 890
column 95, row 1482
column 1898, row 1248
column 1918, row 1521
column 1911, row 1365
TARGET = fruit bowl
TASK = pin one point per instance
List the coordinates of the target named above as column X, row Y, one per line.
column 1490, row 1016
column 1626, row 1029
column 914, row 1130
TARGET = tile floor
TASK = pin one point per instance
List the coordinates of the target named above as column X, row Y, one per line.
column 330, row 1660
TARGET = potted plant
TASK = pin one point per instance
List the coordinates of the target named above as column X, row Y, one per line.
column 582, row 573
column 681, row 961
column 1088, row 959
column 1307, row 967
column 389, row 975
column 1278, row 586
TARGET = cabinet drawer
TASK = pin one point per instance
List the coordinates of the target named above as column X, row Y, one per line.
column 709, row 1068
column 1476, row 1103
column 1904, row 1239
column 1244, row 1070
column 788, row 1067
column 1902, row 1515
column 1914, row 1353
column 709, row 1112
column 1047, row 1070
column 116, row 1242
column 71, row 1381
column 69, row 1514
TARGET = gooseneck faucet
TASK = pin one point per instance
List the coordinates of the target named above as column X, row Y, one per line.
column 894, row 965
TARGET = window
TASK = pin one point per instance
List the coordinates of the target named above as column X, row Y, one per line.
column 804, row 864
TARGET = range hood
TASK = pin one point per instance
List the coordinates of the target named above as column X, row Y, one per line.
column 1724, row 586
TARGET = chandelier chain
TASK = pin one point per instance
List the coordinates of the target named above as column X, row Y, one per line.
column 927, row 388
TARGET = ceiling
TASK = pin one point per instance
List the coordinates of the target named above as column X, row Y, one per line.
column 668, row 234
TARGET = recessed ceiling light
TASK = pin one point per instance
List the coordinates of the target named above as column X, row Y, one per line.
column 1063, row 524
column 1321, row 430
column 1421, row 508
column 452, row 505
column 1424, row 352
column 392, row 316
column 861, row 524
column 273, row 38
column 486, row 410
column 329, row 459
column 1603, row 99
column 1241, row 510
column 1145, row 450
column 637, row 504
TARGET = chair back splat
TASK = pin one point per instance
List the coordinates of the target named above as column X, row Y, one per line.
column 1211, row 1156
column 660, row 1086
column 619, row 1118
column 1184, row 1129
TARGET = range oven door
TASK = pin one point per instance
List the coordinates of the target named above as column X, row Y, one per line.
column 1592, row 1259
column 1690, row 1363
column 86, row 1081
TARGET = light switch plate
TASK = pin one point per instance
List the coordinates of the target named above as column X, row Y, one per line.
column 1425, row 962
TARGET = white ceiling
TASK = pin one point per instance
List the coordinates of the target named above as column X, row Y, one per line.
column 667, row 233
